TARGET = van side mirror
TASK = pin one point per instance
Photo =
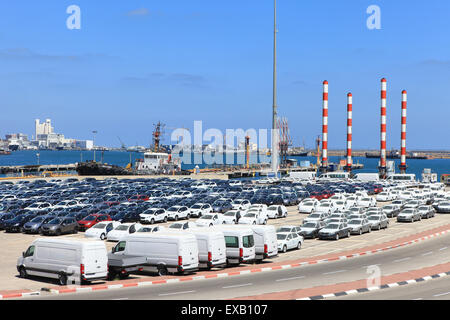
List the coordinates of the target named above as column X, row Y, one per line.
column 23, row 254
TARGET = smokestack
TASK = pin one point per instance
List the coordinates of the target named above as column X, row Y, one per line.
column 382, row 168
column 403, row 166
column 349, row 132
column 325, row 128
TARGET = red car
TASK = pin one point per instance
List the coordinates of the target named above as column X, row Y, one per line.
column 112, row 203
column 91, row 220
column 139, row 197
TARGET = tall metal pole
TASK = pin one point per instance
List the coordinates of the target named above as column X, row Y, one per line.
column 274, row 116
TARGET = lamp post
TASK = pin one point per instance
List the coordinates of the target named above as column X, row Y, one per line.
column 38, row 160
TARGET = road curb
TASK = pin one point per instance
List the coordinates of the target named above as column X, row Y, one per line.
column 384, row 286
column 222, row 274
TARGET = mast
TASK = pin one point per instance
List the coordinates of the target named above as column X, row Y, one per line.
column 274, row 108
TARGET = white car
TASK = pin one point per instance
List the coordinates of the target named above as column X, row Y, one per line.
column 65, row 204
column 253, row 217
column 289, row 229
column 101, row 229
column 351, row 201
column 384, row 196
column 123, row 230
column 39, row 206
column 308, row 206
column 341, row 205
column 232, row 216
column 326, row 207
column 210, row 220
column 182, row 226
column 178, row 212
column 150, row 229
column 288, row 240
column 314, row 217
column 277, row 211
column 366, row 202
column 153, row 215
column 241, row 204
column 200, row 209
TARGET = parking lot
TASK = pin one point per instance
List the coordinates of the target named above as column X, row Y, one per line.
column 14, row 244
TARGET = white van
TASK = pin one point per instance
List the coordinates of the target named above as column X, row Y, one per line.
column 304, row 175
column 266, row 243
column 367, row 177
column 69, row 260
column 212, row 251
column 173, row 252
column 240, row 243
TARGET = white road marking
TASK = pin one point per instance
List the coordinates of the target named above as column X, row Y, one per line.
column 293, row 278
column 333, row 272
column 237, row 286
column 404, row 259
column 418, row 299
column 443, row 248
column 174, row 293
column 121, row 299
column 428, row 253
column 441, row 294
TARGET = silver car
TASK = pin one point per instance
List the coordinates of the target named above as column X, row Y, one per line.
column 427, row 212
column 359, row 226
column 409, row 215
column 378, row 222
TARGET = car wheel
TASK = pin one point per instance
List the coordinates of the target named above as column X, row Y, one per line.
column 62, row 279
column 299, row 245
column 165, row 219
column 23, row 273
column 123, row 276
column 337, row 236
column 176, row 218
column 360, row 231
column 188, row 216
column 58, row 232
column 152, row 221
column 412, row 219
column 348, row 234
column 265, row 222
column 102, row 236
column 162, row 271
column 254, row 223
column 234, row 222
column 210, row 224
column 284, row 249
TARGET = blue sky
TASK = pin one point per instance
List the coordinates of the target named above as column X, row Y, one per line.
column 136, row 62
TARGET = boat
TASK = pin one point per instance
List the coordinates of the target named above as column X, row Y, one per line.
column 92, row 168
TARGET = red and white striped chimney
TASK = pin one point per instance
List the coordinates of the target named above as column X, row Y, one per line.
column 349, row 131
column 383, row 128
column 403, row 138
column 325, row 127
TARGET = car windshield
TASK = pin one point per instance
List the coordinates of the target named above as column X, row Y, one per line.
column 272, row 208
column 250, row 215
column 374, row 218
column 196, row 206
column 55, row 221
column 389, row 207
column 408, row 211
column 281, row 236
column 207, row 217
column 230, row 214
column 145, row 230
column 308, row 204
column 173, row 209
column 37, row 219
column 423, row 208
column 284, row 229
column 176, row 226
column 122, row 228
column 333, row 226
column 358, row 222
column 309, row 225
column 314, row 215
column 90, row 218
column 100, row 226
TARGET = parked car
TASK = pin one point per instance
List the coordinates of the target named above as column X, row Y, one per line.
column 391, row 210
column 308, row 205
column 443, row 207
column 34, row 225
column 152, row 215
column 232, row 216
column 289, row 229
column 253, row 218
column 277, row 211
column 310, row 230
column 16, row 224
column 335, row 231
column 210, row 220
column 359, row 226
column 91, row 220
column 288, row 241
column 178, row 212
column 427, row 212
column 199, row 209
column 59, row 226
column 182, row 226
column 122, row 230
column 409, row 215
column 378, row 222
column 101, row 230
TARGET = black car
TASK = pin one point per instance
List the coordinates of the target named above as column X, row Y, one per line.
column 221, row 206
column 5, row 217
column 335, row 231
column 310, row 230
column 58, row 226
column 16, row 224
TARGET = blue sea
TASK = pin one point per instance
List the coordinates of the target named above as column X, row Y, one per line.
column 439, row 166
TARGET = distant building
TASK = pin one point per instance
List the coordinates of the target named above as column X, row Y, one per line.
column 43, row 128
column 84, row 144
